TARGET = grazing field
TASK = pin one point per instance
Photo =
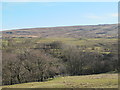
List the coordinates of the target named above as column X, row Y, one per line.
column 86, row 81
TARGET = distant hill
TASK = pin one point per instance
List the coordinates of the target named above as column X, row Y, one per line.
column 88, row 31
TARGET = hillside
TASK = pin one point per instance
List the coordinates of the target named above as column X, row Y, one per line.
column 88, row 31
column 87, row 81
column 40, row 57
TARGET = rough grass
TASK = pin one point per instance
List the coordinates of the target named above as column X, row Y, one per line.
column 79, row 41
column 86, row 81
column 99, row 44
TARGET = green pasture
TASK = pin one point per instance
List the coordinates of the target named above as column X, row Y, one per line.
column 85, row 81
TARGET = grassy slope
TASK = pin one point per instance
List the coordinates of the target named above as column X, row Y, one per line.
column 88, row 81
column 80, row 41
column 99, row 44
column 72, row 41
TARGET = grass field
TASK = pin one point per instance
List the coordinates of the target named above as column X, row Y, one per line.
column 86, row 81
column 98, row 44
column 80, row 41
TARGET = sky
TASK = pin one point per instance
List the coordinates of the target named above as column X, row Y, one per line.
column 17, row 15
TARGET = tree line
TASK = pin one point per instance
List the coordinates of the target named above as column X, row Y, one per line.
column 30, row 62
